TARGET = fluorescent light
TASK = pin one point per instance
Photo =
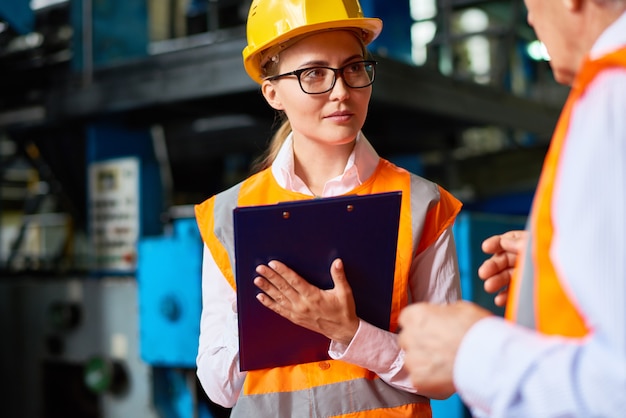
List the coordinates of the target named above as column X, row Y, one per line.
column 537, row 51
column 40, row 4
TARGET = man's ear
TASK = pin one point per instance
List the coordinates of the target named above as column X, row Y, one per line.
column 271, row 95
column 573, row 5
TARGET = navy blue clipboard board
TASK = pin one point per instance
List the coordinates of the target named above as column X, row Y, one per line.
column 307, row 236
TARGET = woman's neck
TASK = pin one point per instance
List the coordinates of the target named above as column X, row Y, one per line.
column 317, row 163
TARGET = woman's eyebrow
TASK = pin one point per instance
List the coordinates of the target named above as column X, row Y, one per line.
column 321, row 63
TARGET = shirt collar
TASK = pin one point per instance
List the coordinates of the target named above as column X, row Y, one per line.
column 361, row 164
column 613, row 38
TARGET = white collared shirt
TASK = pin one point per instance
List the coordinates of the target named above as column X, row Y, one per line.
column 283, row 169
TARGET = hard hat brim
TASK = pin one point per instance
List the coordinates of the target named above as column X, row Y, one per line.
column 370, row 28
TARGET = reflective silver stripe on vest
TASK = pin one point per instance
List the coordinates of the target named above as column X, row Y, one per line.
column 224, row 230
column 525, row 306
column 339, row 399
column 424, row 195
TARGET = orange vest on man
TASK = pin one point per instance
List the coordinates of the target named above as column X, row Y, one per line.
column 344, row 389
column 539, row 298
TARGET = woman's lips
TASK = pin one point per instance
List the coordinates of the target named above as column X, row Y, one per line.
column 340, row 116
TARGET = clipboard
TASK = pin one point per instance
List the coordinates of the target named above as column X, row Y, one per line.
column 307, row 235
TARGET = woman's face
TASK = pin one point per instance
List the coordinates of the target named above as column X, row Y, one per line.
column 331, row 118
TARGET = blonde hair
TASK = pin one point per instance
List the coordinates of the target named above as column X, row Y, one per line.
column 267, row 158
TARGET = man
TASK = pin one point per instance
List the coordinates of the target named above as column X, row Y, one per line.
column 561, row 351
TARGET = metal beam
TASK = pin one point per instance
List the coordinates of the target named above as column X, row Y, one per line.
column 192, row 74
column 423, row 90
column 214, row 71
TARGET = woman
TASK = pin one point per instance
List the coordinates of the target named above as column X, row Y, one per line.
column 309, row 56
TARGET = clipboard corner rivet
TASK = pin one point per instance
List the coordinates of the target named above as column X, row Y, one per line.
column 285, row 215
column 350, row 208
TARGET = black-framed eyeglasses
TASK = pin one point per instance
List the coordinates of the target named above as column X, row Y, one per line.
column 319, row 80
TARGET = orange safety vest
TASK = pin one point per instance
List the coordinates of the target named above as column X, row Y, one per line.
column 539, row 297
column 332, row 387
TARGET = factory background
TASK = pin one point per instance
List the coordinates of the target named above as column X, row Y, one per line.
column 117, row 116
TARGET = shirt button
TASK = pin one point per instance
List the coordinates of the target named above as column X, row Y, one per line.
column 324, row 365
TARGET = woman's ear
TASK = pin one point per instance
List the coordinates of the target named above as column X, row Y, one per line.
column 271, row 95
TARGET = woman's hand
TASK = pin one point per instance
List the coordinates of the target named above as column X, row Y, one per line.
column 497, row 270
column 329, row 312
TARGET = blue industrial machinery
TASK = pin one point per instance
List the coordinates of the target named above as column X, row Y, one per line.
column 395, row 40
column 19, row 15
column 126, row 226
column 170, row 304
column 169, row 279
column 470, row 230
column 108, row 32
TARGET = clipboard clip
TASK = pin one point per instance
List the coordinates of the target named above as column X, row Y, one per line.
column 287, row 214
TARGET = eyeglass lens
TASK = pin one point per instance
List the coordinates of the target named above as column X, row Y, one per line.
column 322, row 79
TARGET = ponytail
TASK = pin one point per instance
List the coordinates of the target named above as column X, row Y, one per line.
column 268, row 157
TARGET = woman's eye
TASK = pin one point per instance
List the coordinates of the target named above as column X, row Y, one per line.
column 314, row 73
column 354, row 68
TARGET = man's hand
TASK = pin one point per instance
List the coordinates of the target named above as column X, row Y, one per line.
column 497, row 270
column 430, row 336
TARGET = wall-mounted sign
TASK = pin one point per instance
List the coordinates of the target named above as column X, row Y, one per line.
column 114, row 213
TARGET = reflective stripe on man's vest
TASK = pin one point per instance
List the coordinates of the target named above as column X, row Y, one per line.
column 539, row 298
column 332, row 387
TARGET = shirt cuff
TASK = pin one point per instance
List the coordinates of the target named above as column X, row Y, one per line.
column 365, row 349
column 484, row 375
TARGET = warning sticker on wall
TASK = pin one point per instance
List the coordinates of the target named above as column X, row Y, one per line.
column 114, row 213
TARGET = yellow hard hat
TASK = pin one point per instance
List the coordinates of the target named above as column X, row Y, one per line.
column 273, row 22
